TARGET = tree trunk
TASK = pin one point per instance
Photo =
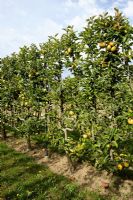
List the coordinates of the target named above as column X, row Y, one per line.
column 61, row 108
column 4, row 135
column 3, row 131
column 12, row 117
column 29, row 142
column 71, row 164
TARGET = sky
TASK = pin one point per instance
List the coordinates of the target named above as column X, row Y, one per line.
column 23, row 22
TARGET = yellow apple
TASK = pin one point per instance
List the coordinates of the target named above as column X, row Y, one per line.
column 114, row 49
column 130, row 121
column 69, row 50
column 126, row 164
column 112, row 44
column 109, row 47
column 120, row 167
column 85, row 136
column 102, row 44
column 71, row 113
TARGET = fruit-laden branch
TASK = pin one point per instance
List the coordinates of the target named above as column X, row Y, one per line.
column 68, row 129
column 65, row 131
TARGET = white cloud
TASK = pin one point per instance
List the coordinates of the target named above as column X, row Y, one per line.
column 121, row 1
column 12, row 39
column 128, row 10
column 78, row 22
column 21, row 25
column 84, row 3
column 88, row 8
column 9, row 3
column 49, row 27
column 80, row 3
column 104, row 1
column 70, row 3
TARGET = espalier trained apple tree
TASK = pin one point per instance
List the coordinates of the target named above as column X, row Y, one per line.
column 88, row 116
column 9, row 93
column 31, row 89
column 107, row 43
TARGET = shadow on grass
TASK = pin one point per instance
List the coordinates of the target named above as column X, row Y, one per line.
column 21, row 178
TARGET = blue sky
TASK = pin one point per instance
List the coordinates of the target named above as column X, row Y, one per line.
column 23, row 22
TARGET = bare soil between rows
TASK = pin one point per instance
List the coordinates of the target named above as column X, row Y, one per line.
column 84, row 174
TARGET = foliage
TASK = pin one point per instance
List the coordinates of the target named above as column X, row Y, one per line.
column 89, row 115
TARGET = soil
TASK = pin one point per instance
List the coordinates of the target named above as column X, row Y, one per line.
column 84, row 174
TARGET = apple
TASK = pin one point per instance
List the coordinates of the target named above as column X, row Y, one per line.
column 102, row 44
column 108, row 146
column 114, row 49
column 126, row 164
column 69, row 50
column 71, row 113
column 85, row 136
column 130, row 121
column 112, row 44
column 120, row 167
column 109, row 47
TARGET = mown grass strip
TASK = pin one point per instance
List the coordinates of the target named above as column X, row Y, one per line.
column 21, row 178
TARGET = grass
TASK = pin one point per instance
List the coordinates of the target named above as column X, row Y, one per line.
column 22, row 179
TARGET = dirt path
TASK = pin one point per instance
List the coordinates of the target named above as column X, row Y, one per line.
column 84, row 174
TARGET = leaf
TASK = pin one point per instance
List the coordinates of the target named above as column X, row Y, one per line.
column 114, row 144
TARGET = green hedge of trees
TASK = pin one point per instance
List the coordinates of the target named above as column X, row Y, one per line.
column 88, row 116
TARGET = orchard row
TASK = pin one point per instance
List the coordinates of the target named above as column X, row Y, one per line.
column 89, row 115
